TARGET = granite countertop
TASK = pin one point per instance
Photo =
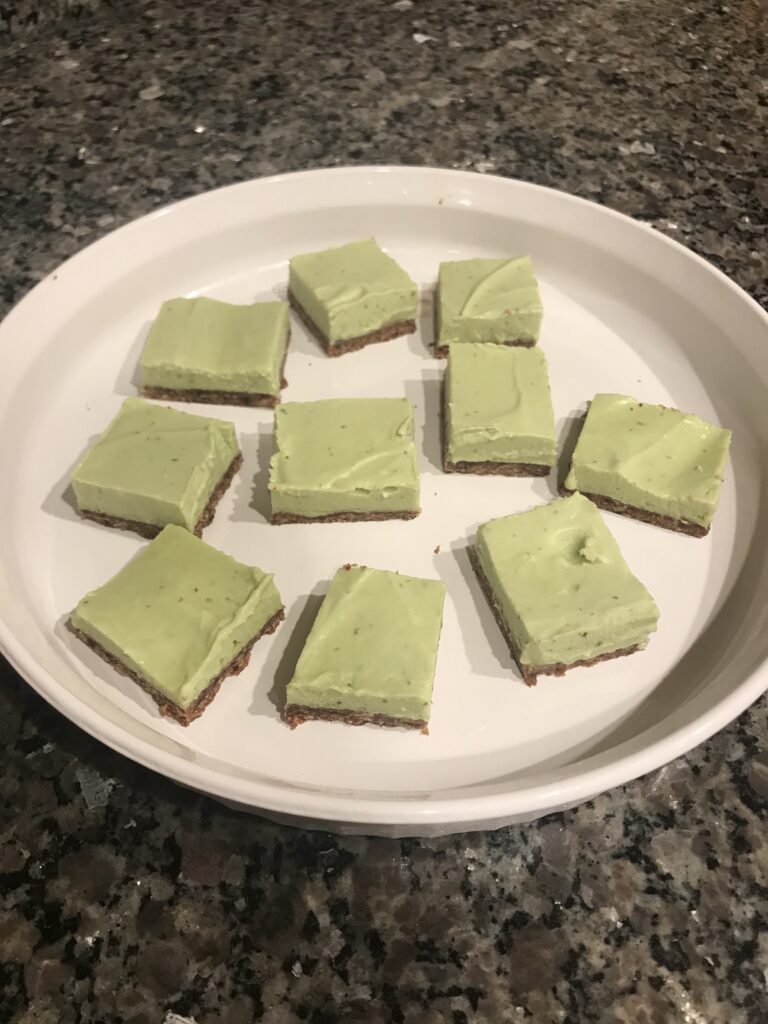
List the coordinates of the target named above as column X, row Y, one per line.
column 127, row 899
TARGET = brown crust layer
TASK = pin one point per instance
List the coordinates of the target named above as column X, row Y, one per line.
column 497, row 468
column 667, row 522
column 340, row 348
column 282, row 518
column 167, row 708
column 531, row 672
column 441, row 351
column 150, row 530
column 296, row 714
column 254, row 400
column 485, row 468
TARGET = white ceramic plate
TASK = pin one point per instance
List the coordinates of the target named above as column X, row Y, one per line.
column 627, row 310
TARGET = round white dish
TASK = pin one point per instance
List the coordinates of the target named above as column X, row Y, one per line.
column 626, row 309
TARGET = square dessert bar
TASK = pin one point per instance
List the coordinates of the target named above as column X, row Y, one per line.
column 203, row 350
column 178, row 619
column 153, row 466
column 370, row 657
column 649, row 462
column 497, row 411
column 560, row 589
column 344, row 459
column 487, row 300
column 352, row 296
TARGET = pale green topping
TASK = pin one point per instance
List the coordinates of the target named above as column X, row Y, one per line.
column 352, row 290
column 155, row 465
column 562, row 585
column 344, row 455
column 650, row 457
column 498, row 405
column 179, row 613
column 373, row 646
column 205, row 344
column 488, row 300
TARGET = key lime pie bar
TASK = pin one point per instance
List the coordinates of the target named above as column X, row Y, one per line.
column 203, row 350
column 370, row 657
column 560, row 589
column 178, row 619
column 487, row 300
column 649, row 462
column 344, row 459
column 352, row 296
column 153, row 466
column 497, row 411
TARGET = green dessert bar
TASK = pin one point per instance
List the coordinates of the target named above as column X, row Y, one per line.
column 370, row 657
column 560, row 589
column 344, row 459
column 203, row 350
column 497, row 411
column 178, row 619
column 154, row 466
column 352, row 295
column 649, row 462
column 487, row 300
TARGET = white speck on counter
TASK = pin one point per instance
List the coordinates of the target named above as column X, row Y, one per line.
column 45, row 749
column 94, row 787
column 635, row 147
column 174, row 1018
column 419, row 37
column 199, row 129
column 402, row 5
column 152, row 92
column 296, row 970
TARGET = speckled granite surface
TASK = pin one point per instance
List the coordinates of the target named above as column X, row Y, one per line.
column 126, row 899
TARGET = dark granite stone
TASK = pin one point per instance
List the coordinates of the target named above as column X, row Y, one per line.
column 127, row 899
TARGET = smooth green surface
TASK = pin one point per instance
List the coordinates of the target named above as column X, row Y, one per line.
column 488, row 300
column 498, row 405
column 651, row 457
column 217, row 346
column 155, row 465
column 352, row 290
column 344, row 455
column 178, row 613
column 373, row 646
column 562, row 584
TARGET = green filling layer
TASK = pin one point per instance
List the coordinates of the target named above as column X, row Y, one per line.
column 155, row 465
column 178, row 613
column 373, row 646
column 562, row 585
column 491, row 300
column 650, row 457
column 352, row 290
column 344, row 455
column 498, row 405
column 216, row 346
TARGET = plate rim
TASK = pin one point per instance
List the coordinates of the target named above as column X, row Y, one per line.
column 360, row 808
